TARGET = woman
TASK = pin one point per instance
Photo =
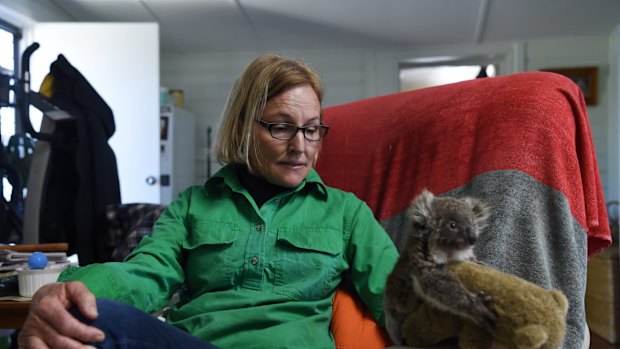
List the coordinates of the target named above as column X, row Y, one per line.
column 260, row 249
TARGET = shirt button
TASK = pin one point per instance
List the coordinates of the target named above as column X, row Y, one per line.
column 258, row 227
column 254, row 260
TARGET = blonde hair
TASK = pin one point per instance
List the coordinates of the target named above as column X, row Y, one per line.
column 266, row 77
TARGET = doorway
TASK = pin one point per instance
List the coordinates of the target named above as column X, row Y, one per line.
column 434, row 71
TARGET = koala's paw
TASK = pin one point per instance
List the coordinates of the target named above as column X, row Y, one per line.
column 485, row 317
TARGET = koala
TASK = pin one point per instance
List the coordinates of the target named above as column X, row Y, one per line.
column 443, row 229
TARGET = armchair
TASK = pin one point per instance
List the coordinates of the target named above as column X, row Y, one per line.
column 521, row 142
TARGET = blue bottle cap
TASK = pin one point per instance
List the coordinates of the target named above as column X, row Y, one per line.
column 37, row 261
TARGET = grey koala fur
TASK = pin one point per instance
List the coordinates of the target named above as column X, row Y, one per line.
column 443, row 229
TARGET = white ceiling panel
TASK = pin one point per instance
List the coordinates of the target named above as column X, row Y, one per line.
column 365, row 22
column 527, row 19
column 198, row 26
column 105, row 10
column 241, row 25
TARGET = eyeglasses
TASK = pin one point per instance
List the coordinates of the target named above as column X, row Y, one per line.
column 284, row 131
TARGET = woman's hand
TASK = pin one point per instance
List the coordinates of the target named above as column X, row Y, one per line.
column 49, row 323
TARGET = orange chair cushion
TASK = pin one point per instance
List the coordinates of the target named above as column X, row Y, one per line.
column 353, row 326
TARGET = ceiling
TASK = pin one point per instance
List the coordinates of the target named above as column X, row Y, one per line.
column 189, row 26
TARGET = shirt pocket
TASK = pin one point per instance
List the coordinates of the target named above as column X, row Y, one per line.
column 308, row 262
column 210, row 252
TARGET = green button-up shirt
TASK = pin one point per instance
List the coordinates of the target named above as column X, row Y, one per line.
column 255, row 277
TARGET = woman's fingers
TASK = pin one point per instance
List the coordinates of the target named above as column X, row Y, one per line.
column 83, row 299
column 51, row 325
column 38, row 334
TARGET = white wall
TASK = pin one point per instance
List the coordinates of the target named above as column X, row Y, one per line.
column 350, row 75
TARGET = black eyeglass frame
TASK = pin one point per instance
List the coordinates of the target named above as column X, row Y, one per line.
column 270, row 125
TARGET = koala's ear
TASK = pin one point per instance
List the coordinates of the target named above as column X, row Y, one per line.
column 482, row 212
column 420, row 208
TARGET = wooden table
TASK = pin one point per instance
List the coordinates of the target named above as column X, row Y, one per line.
column 50, row 247
column 13, row 313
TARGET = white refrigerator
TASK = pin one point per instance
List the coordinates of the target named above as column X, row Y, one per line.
column 178, row 151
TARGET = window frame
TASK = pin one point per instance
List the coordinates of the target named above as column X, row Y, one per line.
column 16, row 76
column 17, row 36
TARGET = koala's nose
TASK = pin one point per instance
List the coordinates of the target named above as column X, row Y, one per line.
column 471, row 235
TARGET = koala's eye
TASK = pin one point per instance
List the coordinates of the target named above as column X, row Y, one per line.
column 452, row 225
column 419, row 225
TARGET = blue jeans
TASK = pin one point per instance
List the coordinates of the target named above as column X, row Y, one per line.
column 126, row 327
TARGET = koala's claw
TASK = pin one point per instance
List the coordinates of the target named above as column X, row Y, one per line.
column 487, row 319
column 487, row 316
column 484, row 298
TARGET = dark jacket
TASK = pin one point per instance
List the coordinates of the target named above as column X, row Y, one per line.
column 88, row 161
